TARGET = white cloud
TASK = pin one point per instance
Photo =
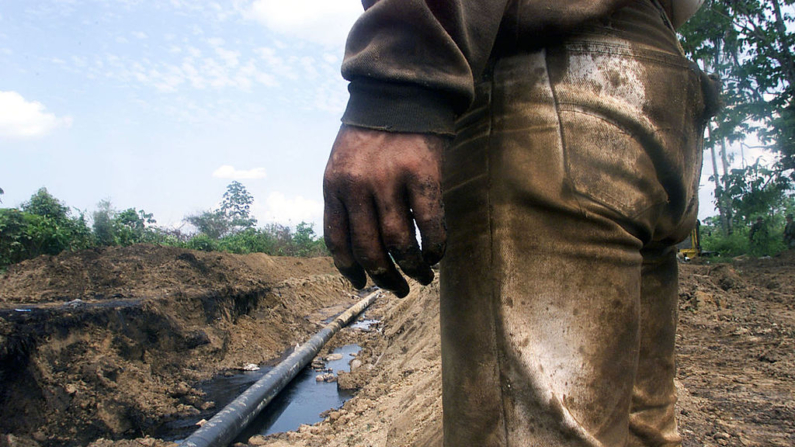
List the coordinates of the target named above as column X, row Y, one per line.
column 230, row 57
column 309, row 67
column 129, row 3
column 279, row 208
column 325, row 22
column 227, row 70
column 26, row 119
column 215, row 41
column 295, row 72
column 168, row 81
column 80, row 62
column 139, row 35
column 330, row 96
column 277, row 64
column 229, row 172
column 331, row 58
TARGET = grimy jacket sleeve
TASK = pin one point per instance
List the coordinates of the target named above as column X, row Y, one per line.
column 412, row 64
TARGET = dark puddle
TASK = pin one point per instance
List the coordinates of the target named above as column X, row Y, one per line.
column 364, row 325
column 303, row 400
column 300, row 402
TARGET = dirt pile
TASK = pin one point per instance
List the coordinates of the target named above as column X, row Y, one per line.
column 147, row 271
column 736, row 356
column 736, row 352
column 110, row 343
column 399, row 403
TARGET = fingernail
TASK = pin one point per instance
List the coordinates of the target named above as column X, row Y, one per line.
column 357, row 278
column 402, row 292
column 426, row 277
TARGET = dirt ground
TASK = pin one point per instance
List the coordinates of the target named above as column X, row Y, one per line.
column 151, row 322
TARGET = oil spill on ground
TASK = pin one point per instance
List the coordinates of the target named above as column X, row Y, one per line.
column 300, row 402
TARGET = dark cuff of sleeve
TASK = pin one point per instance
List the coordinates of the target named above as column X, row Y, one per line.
column 399, row 108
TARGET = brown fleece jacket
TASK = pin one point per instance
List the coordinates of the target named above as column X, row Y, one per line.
column 413, row 64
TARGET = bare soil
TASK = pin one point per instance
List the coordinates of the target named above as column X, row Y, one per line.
column 152, row 322
column 110, row 343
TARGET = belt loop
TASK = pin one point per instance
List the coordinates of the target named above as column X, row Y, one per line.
column 666, row 19
column 667, row 22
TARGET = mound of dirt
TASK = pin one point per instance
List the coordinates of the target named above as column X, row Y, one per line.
column 399, row 403
column 736, row 353
column 736, row 360
column 110, row 343
column 147, row 271
column 126, row 367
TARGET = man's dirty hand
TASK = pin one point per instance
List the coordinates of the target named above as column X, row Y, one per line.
column 376, row 186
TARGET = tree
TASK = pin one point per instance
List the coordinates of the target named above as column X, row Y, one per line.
column 282, row 239
column 748, row 44
column 306, row 242
column 131, row 226
column 213, row 224
column 43, row 226
column 104, row 232
column 756, row 60
column 758, row 191
column 51, row 228
column 42, row 203
column 233, row 216
column 231, row 228
column 13, row 241
column 236, row 206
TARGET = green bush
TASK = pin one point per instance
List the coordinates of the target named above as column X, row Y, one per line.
column 768, row 242
column 731, row 245
column 202, row 242
column 273, row 239
column 44, row 225
column 14, row 246
column 307, row 243
column 25, row 235
column 250, row 240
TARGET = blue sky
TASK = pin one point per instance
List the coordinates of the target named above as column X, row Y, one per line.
column 160, row 104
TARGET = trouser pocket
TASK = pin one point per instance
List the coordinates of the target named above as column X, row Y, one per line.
column 632, row 121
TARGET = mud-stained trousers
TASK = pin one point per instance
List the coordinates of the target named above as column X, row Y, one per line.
column 570, row 180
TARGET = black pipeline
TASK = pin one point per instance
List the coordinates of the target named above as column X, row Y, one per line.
column 224, row 426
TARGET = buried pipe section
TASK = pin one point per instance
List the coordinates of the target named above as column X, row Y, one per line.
column 224, row 426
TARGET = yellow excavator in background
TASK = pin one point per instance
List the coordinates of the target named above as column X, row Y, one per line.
column 691, row 247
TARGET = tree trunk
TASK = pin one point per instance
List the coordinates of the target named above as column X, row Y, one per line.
column 785, row 55
column 726, row 205
column 719, row 202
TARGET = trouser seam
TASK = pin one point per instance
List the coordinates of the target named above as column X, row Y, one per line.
column 494, row 298
column 561, row 139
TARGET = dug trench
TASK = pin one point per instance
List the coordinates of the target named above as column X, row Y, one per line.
column 111, row 343
column 108, row 381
